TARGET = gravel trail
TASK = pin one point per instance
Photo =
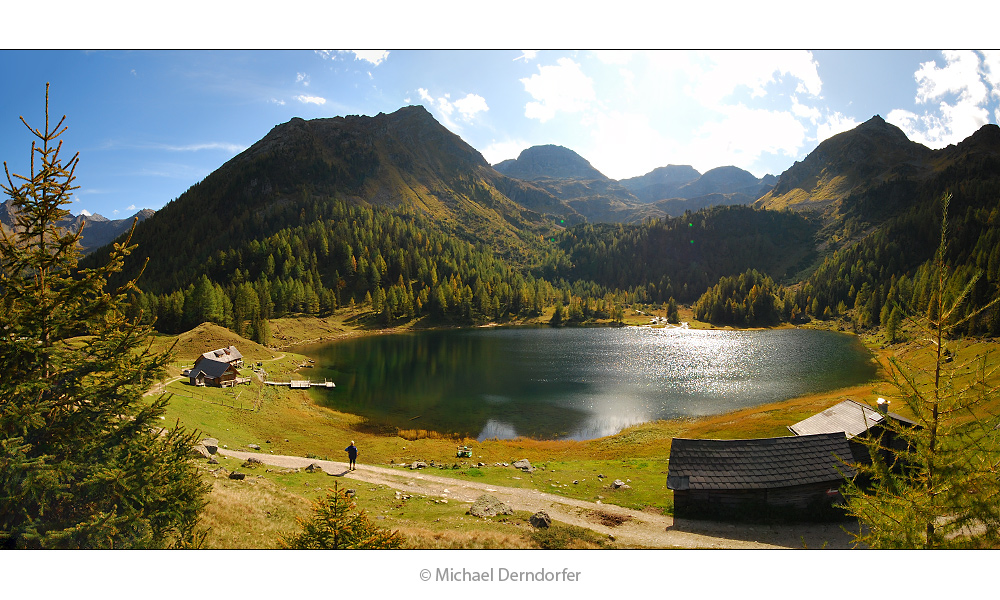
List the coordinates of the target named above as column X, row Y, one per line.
column 637, row 528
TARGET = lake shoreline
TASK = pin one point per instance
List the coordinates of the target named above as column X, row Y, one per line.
column 674, row 383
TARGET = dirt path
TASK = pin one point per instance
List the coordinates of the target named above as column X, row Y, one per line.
column 161, row 387
column 639, row 529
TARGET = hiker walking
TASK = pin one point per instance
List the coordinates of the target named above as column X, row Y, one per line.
column 352, row 454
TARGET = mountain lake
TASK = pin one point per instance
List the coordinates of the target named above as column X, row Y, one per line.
column 575, row 383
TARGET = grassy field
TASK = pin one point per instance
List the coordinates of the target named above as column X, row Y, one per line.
column 256, row 512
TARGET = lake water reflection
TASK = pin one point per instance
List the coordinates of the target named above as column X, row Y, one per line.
column 577, row 383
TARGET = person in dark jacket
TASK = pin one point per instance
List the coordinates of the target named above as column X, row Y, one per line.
column 352, row 454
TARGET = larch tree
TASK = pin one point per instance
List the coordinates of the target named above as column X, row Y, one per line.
column 937, row 484
column 84, row 459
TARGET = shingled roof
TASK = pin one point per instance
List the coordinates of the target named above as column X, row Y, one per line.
column 227, row 354
column 764, row 463
column 211, row 368
column 850, row 417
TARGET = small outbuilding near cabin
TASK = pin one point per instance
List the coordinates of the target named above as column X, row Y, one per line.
column 214, row 373
column 228, row 355
column 793, row 478
column 856, row 421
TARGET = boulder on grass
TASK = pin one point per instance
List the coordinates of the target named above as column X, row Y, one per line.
column 489, row 506
column 524, row 465
column 540, row 519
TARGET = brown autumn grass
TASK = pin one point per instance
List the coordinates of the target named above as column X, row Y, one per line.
column 252, row 513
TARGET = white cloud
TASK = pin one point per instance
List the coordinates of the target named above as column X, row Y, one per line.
column 468, row 107
column 744, row 134
column 130, row 207
column 805, row 112
column 276, row 101
column 625, row 145
column 311, row 99
column 991, row 70
column 558, row 88
column 85, row 212
column 834, row 124
column 527, row 55
column 991, row 73
column 234, row 148
column 375, row 57
column 302, row 78
column 961, row 94
column 115, row 211
column 500, row 151
column 960, row 75
column 719, row 74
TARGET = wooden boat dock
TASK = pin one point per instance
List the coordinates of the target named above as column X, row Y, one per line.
column 302, row 384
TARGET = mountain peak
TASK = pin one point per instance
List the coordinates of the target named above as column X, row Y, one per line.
column 549, row 161
column 869, row 152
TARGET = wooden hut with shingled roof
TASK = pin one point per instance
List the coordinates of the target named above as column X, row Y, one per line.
column 795, row 477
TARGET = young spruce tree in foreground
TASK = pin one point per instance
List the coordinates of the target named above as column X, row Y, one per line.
column 334, row 527
column 84, row 462
column 938, row 488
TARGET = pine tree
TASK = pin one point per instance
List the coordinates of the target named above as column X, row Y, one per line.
column 84, row 462
column 333, row 526
column 937, row 484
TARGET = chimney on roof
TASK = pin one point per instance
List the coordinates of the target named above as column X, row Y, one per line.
column 882, row 405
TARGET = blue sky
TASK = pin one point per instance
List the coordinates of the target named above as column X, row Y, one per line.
column 149, row 124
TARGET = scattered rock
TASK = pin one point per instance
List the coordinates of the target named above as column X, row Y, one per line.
column 489, row 506
column 418, row 464
column 313, row 468
column 200, row 451
column 213, row 461
column 252, row 463
column 237, row 476
column 481, row 464
column 540, row 519
column 211, row 444
column 253, row 446
column 600, row 476
column 524, row 465
column 620, row 485
column 576, row 481
column 350, row 493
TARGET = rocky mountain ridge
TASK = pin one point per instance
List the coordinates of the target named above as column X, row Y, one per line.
column 664, row 191
column 97, row 230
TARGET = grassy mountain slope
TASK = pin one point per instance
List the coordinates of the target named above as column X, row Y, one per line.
column 404, row 160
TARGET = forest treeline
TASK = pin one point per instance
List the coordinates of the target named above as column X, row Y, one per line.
column 391, row 260
column 396, row 262
column 735, row 264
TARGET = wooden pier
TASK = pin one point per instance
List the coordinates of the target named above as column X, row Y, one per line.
column 301, row 384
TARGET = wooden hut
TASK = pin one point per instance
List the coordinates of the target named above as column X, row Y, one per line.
column 795, row 477
column 214, row 373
